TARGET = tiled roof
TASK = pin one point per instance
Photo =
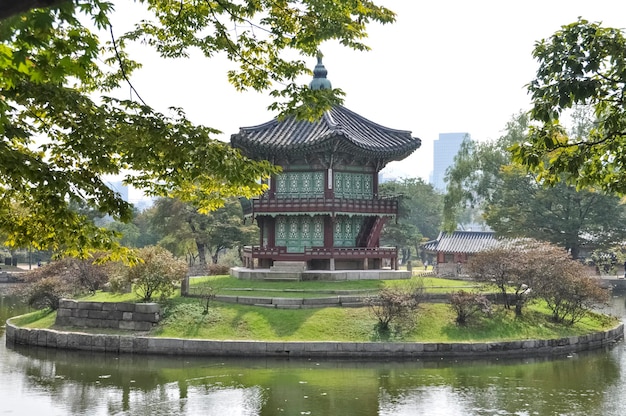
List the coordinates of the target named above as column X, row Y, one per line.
column 339, row 129
column 463, row 242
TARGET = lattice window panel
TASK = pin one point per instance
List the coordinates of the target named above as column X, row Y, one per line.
column 367, row 185
column 338, row 229
column 306, row 229
column 306, row 183
column 281, row 231
column 353, row 185
column 293, row 228
column 347, row 184
column 358, row 190
column 338, row 184
column 318, row 182
column 281, row 184
column 318, row 231
column 293, row 183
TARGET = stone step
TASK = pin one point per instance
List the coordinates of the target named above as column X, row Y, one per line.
column 281, row 279
column 288, row 266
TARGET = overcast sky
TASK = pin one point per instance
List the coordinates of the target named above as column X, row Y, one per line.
column 444, row 66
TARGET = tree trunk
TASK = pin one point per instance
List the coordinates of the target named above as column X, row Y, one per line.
column 406, row 255
column 201, row 252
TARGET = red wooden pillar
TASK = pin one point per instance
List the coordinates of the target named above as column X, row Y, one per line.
column 271, row 231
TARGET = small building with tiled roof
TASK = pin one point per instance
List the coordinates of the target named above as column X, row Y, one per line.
column 323, row 209
column 452, row 250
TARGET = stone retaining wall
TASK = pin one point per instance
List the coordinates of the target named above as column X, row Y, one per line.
column 292, row 303
column 118, row 315
column 376, row 350
column 346, row 301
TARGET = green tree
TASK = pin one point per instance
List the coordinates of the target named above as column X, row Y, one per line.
column 139, row 232
column 158, row 271
column 475, row 173
column 62, row 128
column 419, row 215
column 583, row 63
column 570, row 218
column 515, row 203
column 187, row 231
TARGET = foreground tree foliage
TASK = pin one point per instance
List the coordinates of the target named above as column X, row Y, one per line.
column 62, row 127
column 527, row 270
column 583, row 63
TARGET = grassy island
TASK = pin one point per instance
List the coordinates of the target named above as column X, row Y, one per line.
column 185, row 317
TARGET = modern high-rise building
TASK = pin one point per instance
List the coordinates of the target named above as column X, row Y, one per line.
column 444, row 150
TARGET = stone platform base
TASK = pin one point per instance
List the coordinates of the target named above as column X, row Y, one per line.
column 308, row 275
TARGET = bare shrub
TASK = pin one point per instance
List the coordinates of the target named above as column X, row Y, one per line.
column 507, row 269
column 206, row 295
column 468, row 304
column 46, row 293
column 396, row 305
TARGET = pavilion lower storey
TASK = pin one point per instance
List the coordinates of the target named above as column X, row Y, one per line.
column 321, row 258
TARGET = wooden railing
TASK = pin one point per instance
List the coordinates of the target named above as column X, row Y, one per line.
column 321, row 253
column 325, row 205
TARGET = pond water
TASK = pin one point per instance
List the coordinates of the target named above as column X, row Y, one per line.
column 56, row 382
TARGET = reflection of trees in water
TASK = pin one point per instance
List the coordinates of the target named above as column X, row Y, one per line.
column 82, row 383
column 138, row 384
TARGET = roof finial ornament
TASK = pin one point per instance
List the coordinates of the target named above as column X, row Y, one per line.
column 319, row 81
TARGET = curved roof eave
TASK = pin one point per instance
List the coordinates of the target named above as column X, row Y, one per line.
column 360, row 136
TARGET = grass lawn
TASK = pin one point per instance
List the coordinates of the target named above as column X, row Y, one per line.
column 227, row 285
column 435, row 323
column 185, row 318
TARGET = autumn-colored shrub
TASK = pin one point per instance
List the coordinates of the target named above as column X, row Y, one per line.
column 66, row 277
column 217, row 269
column 572, row 293
column 530, row 269
column 510, row 269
